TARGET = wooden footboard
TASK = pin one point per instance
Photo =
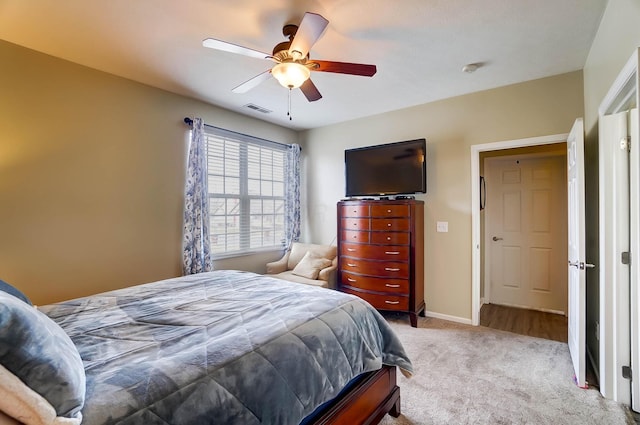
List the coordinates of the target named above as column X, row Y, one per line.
column 367, row 402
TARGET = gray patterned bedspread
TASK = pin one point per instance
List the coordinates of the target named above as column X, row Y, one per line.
column 225, row 347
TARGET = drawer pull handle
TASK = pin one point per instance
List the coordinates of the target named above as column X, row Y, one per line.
column 351, row 265
column 390, row 285
column 391, row 302
column 351, row 280
column 392, row 252
column 391, row 269
column 388, row 211
column 388, row 238
column 351, row 249
column 388, row 224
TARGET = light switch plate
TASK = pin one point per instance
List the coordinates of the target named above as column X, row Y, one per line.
column 442, row 226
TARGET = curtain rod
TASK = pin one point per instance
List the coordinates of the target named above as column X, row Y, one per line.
column 189, row 122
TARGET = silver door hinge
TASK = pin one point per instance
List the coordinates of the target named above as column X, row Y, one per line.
column 626, row 258
column 625, row 143
column 626, row 373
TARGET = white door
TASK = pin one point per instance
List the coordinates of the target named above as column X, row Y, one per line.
column 526, row 231
column 576, row 244
column 634, row 168
column 614, row 273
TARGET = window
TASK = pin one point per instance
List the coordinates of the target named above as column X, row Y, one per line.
column 246, row 192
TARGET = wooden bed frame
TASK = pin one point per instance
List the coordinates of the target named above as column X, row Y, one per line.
column 367, row 402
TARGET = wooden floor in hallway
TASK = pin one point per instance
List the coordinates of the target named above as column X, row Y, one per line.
column 522, row 321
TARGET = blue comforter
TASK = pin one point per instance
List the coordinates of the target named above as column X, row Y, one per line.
column 225, row 347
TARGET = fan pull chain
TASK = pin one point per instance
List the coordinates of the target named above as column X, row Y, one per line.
column 289, row 106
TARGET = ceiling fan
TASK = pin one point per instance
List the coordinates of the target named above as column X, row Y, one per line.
column 293, row 66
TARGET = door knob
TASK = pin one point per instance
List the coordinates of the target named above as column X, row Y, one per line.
column 581, row 265
column 496, row 239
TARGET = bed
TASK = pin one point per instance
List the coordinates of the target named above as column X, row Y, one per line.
column 225, row 347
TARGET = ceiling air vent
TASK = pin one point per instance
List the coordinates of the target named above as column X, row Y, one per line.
column 257, row 108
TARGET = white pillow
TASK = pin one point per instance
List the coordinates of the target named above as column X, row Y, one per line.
column 41, row 355
column 310, row 265
column 27, row 406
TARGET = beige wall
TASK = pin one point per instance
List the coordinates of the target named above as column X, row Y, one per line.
column 617, row 38
column 91, row 176
column 535, row 108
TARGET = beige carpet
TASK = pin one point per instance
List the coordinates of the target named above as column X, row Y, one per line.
column 476, row 375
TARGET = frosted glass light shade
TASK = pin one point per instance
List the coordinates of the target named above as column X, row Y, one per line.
column 290, row 74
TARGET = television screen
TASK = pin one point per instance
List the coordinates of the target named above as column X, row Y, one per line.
column 391, row 169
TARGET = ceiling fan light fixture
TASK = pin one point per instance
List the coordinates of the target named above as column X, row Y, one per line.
column 291, row 74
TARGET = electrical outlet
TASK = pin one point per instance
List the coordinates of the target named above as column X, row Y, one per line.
column 442, row 226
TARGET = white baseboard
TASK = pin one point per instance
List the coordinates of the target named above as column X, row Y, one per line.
column 457, row 319
column 526, row 307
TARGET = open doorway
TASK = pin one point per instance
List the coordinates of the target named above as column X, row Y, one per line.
column 576, row 235
column 477, row 237
column 523, row 225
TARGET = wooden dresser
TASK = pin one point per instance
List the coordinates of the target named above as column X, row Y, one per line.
column 381, row 253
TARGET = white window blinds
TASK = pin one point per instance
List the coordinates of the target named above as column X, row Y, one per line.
column 246, row 192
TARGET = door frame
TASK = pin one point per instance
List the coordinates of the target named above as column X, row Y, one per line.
column 476, row 242
column 622, row 94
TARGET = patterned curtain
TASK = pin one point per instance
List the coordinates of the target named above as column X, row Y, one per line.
column 196, row 257
column 292, row 196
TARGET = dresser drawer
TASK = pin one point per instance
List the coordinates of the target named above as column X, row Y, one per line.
column 376, row 252
column 391, row 224
column 390, row 238
column 354, row 211
column 355, row 223
column 395, row 286
column 354, row 236
column 375, row 268
column 382, row 301
column 389, row 210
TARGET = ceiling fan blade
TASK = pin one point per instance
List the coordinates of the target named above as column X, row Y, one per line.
column 310, row 91
column 212, row 43
column 253, row 82
column 310, row 30
column 345, row 68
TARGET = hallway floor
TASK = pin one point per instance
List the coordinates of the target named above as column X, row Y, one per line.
column 522, row 321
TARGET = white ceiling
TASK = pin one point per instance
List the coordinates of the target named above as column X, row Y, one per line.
column 419, row 47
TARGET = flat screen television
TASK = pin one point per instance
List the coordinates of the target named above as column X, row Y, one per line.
column 389, row 169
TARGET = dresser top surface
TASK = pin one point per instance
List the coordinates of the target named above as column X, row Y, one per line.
column 379, row 201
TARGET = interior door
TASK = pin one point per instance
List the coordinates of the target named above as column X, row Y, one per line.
column 576, row 251
column 526, row 231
